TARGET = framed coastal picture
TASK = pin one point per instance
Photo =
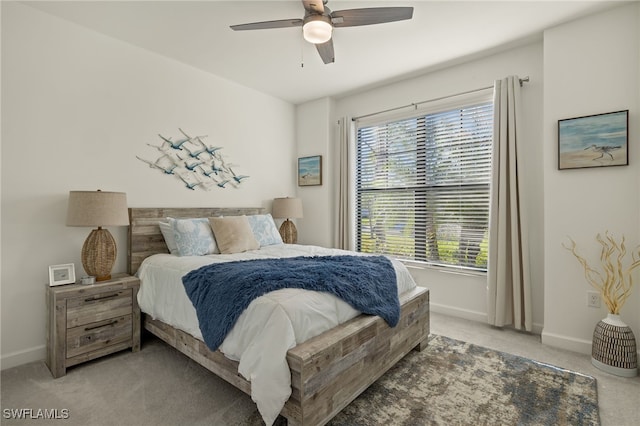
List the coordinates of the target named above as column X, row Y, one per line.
column 599, row 140
column 310, row 170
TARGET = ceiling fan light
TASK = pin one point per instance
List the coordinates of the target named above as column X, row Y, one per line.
column 317, row 30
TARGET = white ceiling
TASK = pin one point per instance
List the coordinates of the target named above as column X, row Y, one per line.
column 197, row 33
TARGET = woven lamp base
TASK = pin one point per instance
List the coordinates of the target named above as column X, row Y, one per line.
column 99, row 254
column 614, row 347
column 288, row 232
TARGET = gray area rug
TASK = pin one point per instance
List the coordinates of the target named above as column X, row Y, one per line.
column 458, row 383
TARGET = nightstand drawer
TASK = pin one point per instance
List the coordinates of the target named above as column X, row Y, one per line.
column 98, row 307
column 98, row 335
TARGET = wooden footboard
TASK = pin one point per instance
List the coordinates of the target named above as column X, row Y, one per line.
column 330, row 370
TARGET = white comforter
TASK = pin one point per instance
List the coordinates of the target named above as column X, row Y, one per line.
column 270, row 326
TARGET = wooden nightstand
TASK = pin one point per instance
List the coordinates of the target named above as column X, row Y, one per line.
column 89, row 321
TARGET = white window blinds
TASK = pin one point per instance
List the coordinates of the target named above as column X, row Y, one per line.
column 422, row 187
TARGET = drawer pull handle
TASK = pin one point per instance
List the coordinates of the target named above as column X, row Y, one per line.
column 92, row 299
column 100, row 326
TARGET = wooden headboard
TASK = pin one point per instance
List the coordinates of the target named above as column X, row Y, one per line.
column 145, row 237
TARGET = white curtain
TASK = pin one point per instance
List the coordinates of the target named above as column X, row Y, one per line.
column 509, row 287
column 342, row 202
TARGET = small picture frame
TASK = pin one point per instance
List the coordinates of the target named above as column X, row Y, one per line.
column 62, row 274
column 599, row 140
column 310, row 170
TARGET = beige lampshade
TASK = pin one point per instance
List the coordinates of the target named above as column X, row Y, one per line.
column 98, row 209
column 287, row 208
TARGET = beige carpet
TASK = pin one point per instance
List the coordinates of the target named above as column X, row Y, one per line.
column 159, row 386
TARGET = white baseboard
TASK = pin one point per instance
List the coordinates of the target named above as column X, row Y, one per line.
column 26, row 356
column 537, row 328
column 471, row 315
column 565, row 342
column 458, row 312
column 569, row 343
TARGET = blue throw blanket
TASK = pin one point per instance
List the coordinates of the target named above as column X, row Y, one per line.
column 222, row 291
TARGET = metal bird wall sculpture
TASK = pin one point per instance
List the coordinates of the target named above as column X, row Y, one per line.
column 194, row 163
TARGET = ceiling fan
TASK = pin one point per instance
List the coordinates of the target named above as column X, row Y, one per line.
column 319, row 21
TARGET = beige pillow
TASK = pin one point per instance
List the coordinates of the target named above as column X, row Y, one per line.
column 233, row 234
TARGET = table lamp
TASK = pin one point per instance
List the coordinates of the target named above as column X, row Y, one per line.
column 98, row 209
column 287, row 208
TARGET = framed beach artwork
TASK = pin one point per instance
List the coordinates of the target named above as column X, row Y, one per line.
column 594, row 141
column 310, row 170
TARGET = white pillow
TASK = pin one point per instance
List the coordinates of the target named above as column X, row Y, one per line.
column 264, row 229
column 169, row 239
column 193, row 236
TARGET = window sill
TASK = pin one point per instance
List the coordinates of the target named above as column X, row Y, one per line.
column 411, row 264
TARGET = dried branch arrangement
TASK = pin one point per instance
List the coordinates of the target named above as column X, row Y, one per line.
column 614, row 282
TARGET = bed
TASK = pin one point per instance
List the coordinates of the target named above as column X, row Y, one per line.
column 327, row 371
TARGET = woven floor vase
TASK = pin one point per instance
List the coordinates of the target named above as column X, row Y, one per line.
column 614, row 347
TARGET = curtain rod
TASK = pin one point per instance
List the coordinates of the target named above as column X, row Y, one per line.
column 415, row 104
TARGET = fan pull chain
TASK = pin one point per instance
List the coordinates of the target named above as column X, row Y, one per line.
column 301, row 51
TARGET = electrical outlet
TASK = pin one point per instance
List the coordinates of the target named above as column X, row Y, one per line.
column 593, row 299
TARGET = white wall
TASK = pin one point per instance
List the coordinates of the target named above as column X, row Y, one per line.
column 588, row 66
column 457, row 294
column 314, row 136
column 77, row 107
column 591, row 66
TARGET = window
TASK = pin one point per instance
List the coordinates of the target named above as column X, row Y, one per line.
column 422, row 186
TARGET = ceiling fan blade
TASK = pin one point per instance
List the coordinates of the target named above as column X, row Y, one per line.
column 283, row 23
column 369, row 16
column 326, row 52
column 313, row 6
